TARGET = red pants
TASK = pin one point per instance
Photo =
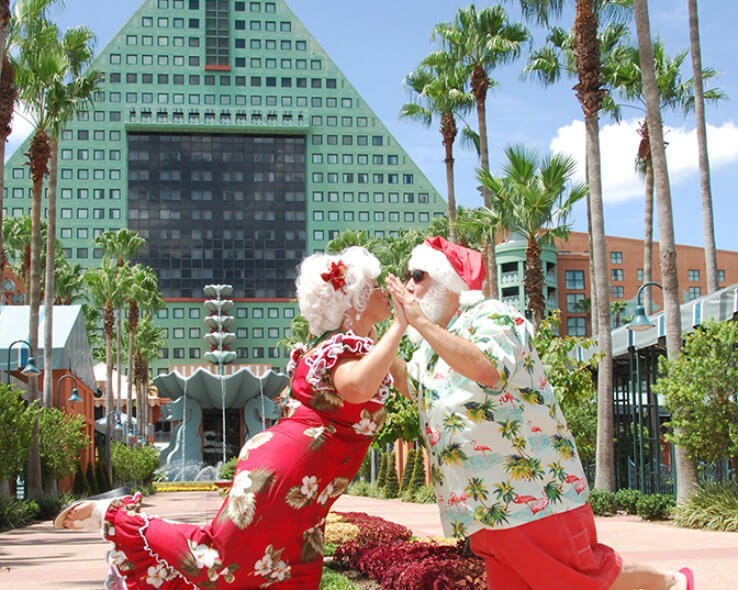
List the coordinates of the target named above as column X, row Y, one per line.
column 559, row 552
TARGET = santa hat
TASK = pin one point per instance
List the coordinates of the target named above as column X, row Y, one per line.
column 457, row 268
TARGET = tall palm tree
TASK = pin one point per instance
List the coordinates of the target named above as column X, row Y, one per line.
column 483, row 40
column 708, row 223
column 686, row 468
column 143, row 295
column 106, row 289
column 439, row 85
column 623, row 77
column 119, row 247
column 147, row 342
column 70, row 91
column 539, row 194
column 590, row 93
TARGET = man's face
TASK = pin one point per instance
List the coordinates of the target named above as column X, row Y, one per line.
column 432, row 297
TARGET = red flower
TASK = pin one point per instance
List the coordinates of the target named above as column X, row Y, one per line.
column 517, row 321
column 336, row 275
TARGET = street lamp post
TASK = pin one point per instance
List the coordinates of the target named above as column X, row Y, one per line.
column 640, row 323
column 30, row 369
column 75, row 392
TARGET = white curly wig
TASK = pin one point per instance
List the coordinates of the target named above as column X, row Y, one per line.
column 321, row 305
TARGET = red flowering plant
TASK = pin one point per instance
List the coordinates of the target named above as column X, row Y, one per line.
column 383, row 552
column 336, row 275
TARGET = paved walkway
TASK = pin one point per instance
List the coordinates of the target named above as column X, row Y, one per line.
column 37, row 556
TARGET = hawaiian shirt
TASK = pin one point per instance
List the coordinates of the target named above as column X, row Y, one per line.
column 500, row 456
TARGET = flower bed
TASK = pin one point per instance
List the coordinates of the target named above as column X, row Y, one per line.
column 384, row 552
column 186, row 486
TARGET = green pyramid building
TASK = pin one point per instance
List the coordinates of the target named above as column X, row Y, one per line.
column 228, row 138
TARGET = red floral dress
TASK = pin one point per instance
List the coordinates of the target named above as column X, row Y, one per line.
column 269, row 531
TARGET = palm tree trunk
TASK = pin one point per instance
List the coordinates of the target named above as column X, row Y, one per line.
column 39, row 158
column 685, row 467
column 129, row 394
column 448, row 131
column 708, row 223
column 648, row 237
column 534, row 282
column 590, row 93
column 49, row 277
column 4, row 25
column 488, row 250
column 119, row 355
column 108, row 319
column 592, row 282
column 8, row 92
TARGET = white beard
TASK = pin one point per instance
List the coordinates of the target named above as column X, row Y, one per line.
column 432, row 304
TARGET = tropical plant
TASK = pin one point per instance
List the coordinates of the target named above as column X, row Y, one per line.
column 627, row 499
column 483, row 40
column 708, row 224
column 590, row 93
column 617, row 307
column 417, row 479
column 147, row 342
column 685, row 467
column 699, row 391
column 602, row 502
column 62, row 438
column 407, row 470
column 438, row 85
column 539, row 196
column 70, row 91
column 714, row 506
column 391, row 486
column 16, row 432
column 134, row 465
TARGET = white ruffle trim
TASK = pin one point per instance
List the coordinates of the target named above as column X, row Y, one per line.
column 325, row 356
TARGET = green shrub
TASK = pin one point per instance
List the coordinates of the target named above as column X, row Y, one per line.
column 417, row 479
column 228, row 469
column 101, row 476
column 16, row 430
column 80, row 487
column 627, row 499
column 332, row 580
column 714, row 506
column 365, row 471
column 359, row 488
column 91, row 479
column 382, row 470
column 407, row 471
column 147, row 489
column 134, row 465
column 50, row 506
column 425, row 494
column 391, row 488
column 602, row 502
column 407, row 496
column 655, row 506
column 61, row 440
column 374, row 492
column 16, row 513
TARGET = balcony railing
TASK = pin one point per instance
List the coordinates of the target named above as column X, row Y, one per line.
column 231, row 117
column 510, row 277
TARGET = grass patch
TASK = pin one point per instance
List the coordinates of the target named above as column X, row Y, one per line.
column 714, row 507
column 332, row 580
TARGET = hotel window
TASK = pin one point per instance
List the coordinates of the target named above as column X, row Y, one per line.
column 576, row 326
column 694, row 275
column 618, row 292
column 721, row 276
column 574, row 280
column 693, row 293
column 572, row 300
column 639, row 275
column 616, row 274
column 616, row 258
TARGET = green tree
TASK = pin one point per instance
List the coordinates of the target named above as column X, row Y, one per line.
column 147, row 342
column 381, row 470
column 439, row 88
column 391, row 486
column 62, row 439
column 483, row 40
column 590, row 93
column 407, row 470
column 16, row 432
column 539, row 195
column 700, row 387
column 417, row 479
column 685, row 466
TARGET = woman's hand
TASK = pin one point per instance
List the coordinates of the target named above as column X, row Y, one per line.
column 400, row 316
column 407, row 301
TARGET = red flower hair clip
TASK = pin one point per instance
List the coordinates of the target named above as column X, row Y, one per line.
column 336, row 275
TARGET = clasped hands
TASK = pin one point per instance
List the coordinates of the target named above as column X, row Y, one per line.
column 407, row 308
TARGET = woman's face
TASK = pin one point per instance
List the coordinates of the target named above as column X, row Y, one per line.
column 378, row 307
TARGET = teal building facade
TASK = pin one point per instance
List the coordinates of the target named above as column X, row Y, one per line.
column 230, row 140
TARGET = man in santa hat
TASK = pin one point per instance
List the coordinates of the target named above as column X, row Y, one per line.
column 504, row 463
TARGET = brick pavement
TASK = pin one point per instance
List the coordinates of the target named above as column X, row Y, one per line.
column 37, row 556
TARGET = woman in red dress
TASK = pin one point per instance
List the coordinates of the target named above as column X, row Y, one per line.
column 269, row 531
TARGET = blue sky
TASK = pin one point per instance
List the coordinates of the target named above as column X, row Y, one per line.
column 377, row 43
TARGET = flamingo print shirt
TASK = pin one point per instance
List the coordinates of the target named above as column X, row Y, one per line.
column 500, row 456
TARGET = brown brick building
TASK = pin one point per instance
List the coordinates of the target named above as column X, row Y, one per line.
column 625, row 268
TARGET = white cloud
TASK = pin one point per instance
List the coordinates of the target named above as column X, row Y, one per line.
column 21, row 129
column 619, row 145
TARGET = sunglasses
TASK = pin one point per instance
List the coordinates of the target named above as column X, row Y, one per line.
column 417, row 275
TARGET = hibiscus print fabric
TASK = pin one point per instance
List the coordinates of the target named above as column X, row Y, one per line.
column 500, row 456
column 269, row 531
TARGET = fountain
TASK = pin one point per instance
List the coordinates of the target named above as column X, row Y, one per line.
column 204, row 390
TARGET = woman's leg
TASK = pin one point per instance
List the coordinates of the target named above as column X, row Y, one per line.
column 640, row 576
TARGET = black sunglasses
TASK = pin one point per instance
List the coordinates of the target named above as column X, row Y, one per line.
column 417, row 275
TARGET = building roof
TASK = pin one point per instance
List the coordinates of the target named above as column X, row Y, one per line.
column 70, row 346
column 720, row 306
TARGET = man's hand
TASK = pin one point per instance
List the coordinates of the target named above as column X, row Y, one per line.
column 406, row 300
